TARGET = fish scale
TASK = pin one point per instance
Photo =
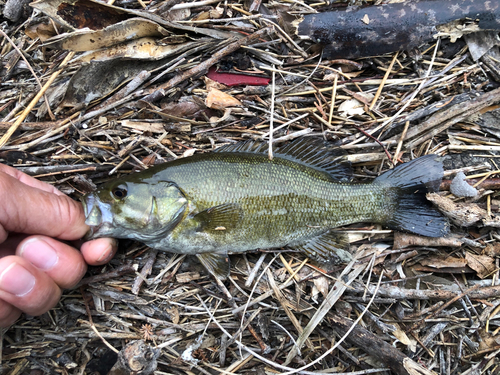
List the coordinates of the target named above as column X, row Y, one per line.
column 237, row 200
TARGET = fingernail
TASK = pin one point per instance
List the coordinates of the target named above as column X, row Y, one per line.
column 109, row 252
column 39, row 253
column 17, row 280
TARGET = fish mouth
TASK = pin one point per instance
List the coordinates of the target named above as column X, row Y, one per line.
column 97, row 217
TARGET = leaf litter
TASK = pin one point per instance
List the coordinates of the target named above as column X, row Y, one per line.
column 76, row 116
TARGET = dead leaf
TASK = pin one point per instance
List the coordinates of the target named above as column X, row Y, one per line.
column 321, row 283
column 152, row 127
column 217, row 99
column 201, row 16
column 139, row 49
column 353, row 107
column 488, row 341
column 492, row 249
column 211, row 84
column 99, row 78
column 404, row 339
column 366, row 19
column 189, row 152
column 482, row 264
column 74, row 14
column 42, row 30
column 188, row 106
column 90, row 40
column 173, row 312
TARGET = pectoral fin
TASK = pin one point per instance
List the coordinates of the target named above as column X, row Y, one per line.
column 329, row 247
column 219, row 218
column 216, row 264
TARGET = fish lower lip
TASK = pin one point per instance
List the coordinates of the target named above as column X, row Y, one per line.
column 88, row 202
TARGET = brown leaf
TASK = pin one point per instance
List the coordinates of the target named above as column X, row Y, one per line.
column 187, row 107
column 42, row 30
column 90, row 40
column 138, row 49
column 75, row 15
column 492, row 249
column 152, row 127
column 488, row 341
column 217, row 99
column 173, row 311
column 211, row 84
column 482, row 264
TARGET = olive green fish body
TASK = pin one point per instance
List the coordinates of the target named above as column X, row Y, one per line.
column 238, row 199
column 277, row 202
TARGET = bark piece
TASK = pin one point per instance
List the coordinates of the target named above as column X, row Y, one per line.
column 404, row 240
column 393, row 27
column 461, row 214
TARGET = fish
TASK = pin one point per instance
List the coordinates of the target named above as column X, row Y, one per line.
column 237, row 199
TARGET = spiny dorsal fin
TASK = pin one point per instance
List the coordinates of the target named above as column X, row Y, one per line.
column 329, row 247
column 306, row 151
column 216, row 264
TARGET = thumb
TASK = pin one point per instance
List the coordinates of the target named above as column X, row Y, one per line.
column 39, row 210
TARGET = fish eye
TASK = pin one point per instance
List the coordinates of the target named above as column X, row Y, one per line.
column 120, row 191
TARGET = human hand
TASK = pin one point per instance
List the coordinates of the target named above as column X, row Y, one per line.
column 34, row 266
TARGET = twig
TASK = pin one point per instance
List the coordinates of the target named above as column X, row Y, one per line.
column 386, row 75
column 156, row 93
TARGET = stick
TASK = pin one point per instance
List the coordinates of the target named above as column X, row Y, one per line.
column 156, row 93
column 375, row 30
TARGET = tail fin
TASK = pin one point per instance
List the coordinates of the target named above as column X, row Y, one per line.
column 410, row 182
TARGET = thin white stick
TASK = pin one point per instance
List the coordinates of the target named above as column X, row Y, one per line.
column 193, row 4
column 286, row 124
column 271, row 120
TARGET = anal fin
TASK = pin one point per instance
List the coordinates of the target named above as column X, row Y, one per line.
column 216, row 264
column 329, row 247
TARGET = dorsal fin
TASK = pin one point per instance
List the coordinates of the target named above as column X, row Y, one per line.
column 311, row 152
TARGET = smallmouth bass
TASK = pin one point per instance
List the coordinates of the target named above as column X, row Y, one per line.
column 235, row 199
